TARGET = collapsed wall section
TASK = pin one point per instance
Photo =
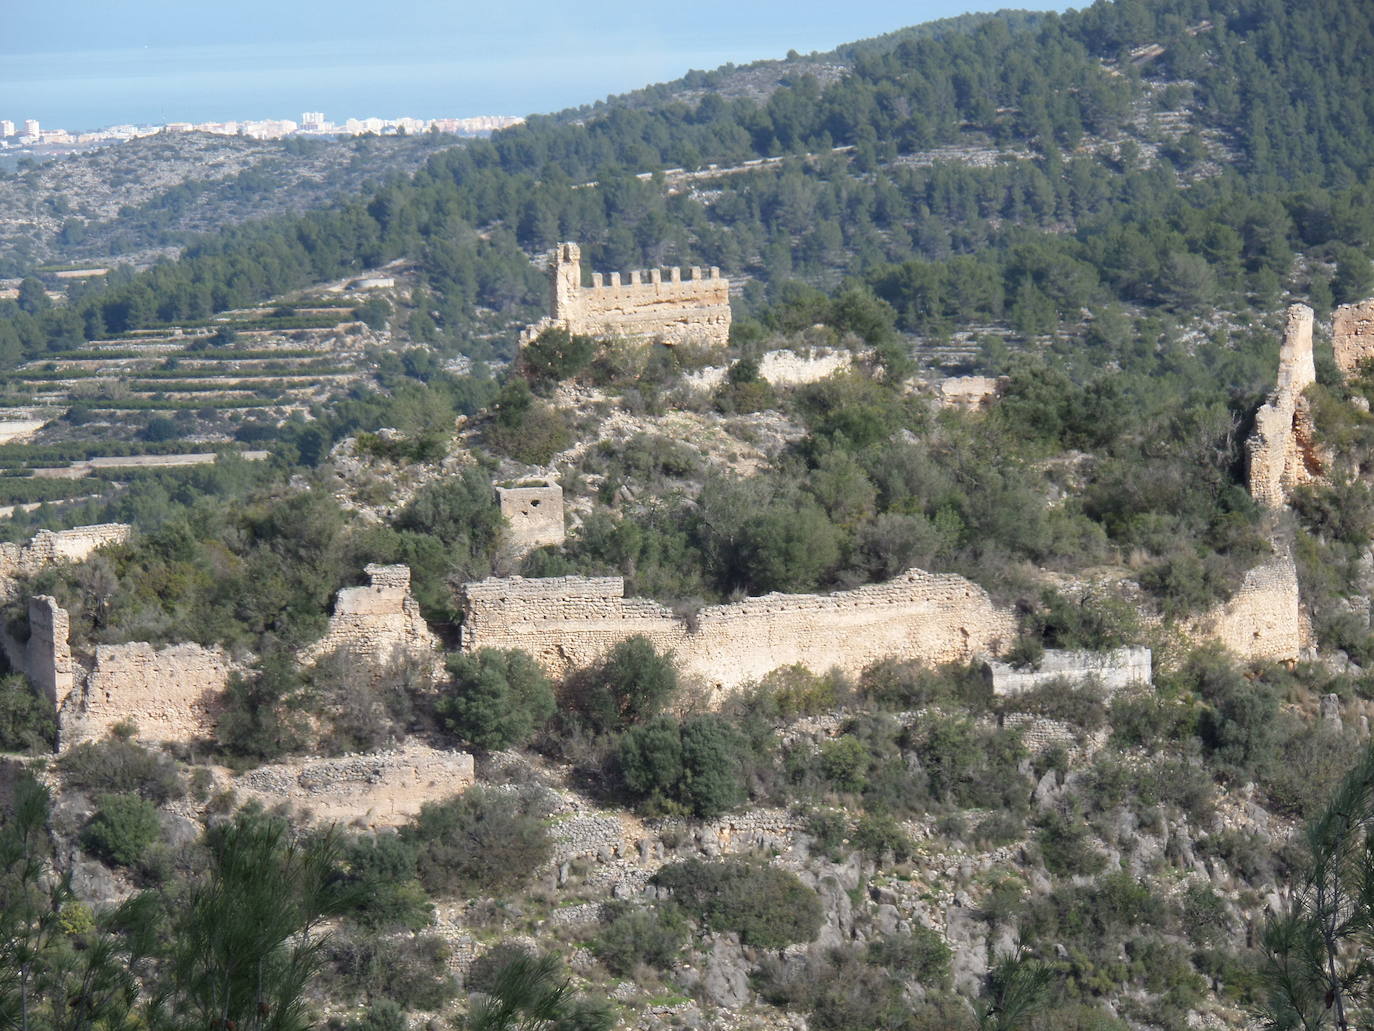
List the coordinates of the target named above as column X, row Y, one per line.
column 1114, row 670
column 1264, row 621
column 376, row 623
column 569, row 622
column 1281, row 452
column 534, row 516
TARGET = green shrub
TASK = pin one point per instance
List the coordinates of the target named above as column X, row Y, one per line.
column 412, row 970
column 556, row 355
column 122, row 829
column 495, row 699
column 380, row 870
column 692, row 767
column 632, row 684
column 27, row 722
column 768, row 907
column 920, row 955
column 382, row 1015
column 261, row 719
column 482, row 841
column 844, row 762
column 1065, row 848
column 1082, row 705
column 1149, row 721
column 631, row 935
column 121, row 766
column 796, row 691
column 877, row 834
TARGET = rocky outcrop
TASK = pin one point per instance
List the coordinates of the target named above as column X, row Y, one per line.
column 1281, row 451
column 570, row 622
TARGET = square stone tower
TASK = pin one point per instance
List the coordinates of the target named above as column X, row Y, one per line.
column 534, row 515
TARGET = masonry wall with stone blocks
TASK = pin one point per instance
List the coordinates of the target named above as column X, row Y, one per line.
column 171, row 694
column 534, row 516
column 1352, row 336
column 658, row 304
column 1264, row 621
column 570, row 622
column 1281, row 452
column 381, row 789
column 48, row 548
column 47, row 657
column 377, row 622
column 1114, row 670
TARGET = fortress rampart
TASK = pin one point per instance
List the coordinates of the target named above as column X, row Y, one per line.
column 648, row 306
column 570, row 622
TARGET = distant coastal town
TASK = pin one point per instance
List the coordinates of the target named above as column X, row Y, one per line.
column 29, row 135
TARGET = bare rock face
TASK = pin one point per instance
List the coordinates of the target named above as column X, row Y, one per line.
column 675, row 310
column 1352, row 336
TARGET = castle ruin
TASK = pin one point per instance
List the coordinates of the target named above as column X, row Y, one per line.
column 377, row 623
column 566, row 623
column 533, row 514
column 648, row 307
column 1281, row 452
column 48, row 548
column 1352, row 336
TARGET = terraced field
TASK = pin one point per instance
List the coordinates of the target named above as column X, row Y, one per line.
column 80, row 423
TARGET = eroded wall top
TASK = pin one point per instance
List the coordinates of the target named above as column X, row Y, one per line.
column 1281, row 452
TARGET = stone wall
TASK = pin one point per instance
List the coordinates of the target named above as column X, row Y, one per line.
column 48, row 658
column 47, row 547
column 970, row 393
column 534, row 516
column 1352, row 335
column 649, row 306
column 1264, row 622
column 570, row 622
column 1114, row 670
column 782, row 368
column 1281, row 451
column 382, row 789
column 376, row 623
column 172, row 694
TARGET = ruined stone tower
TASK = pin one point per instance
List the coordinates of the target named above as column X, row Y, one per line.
column 650, row 306
column 1281, row 453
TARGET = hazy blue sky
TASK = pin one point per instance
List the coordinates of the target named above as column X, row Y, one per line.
column 85, row 63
